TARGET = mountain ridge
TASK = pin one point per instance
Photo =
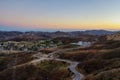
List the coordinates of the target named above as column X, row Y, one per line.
column 8, row 35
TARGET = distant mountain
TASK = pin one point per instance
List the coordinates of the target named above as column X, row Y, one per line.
column 98, row 32
column 32, row 35
column 4, row 35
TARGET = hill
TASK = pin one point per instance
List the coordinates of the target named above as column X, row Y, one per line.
column 115, row 36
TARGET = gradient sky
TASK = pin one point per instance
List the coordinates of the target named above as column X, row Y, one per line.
column 59, row 14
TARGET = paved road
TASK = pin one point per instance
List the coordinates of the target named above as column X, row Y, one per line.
column 72, row 67
column 78, row 76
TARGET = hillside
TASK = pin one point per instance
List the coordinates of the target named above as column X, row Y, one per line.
column 100, row 61
column 115, row 36
column 55, row 57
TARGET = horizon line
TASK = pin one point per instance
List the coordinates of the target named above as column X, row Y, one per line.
column 55, row 30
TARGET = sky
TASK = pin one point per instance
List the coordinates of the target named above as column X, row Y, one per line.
column 48, row 15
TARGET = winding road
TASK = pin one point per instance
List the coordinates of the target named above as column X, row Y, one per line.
column 72, row 67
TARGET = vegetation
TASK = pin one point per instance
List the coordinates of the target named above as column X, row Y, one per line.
column 46, row 70
column 101, row 61
column 28, row 45
column 9, row 60
column 97, row 62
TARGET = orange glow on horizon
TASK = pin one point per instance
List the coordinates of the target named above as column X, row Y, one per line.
column 64, row 24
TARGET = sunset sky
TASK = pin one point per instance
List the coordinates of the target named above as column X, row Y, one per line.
column 59, row 14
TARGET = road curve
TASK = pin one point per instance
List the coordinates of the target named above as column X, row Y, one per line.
column 78, row 76
column 72, row 67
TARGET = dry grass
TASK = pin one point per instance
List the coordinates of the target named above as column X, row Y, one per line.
column 46, row 70
column 98, row 61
